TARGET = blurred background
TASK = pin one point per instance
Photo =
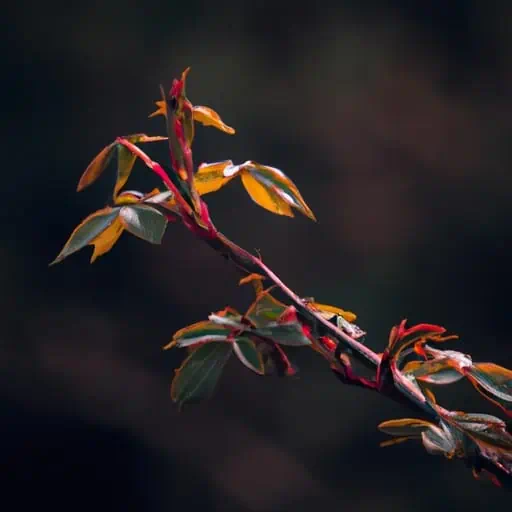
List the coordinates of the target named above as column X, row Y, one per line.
column 394, row 120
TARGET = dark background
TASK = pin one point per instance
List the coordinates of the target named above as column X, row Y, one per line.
column 393, row 118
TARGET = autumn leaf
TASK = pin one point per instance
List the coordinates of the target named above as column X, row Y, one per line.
column 328, row 312
column 125, row 161
column 267, row 186
column 210, row 177
column 208, row 117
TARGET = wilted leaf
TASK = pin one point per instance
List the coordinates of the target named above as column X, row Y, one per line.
column 101, row 229
column 197, row 377
column 290, row 334
column 210, row 177
column 208, row 117
column 145, row 222
column 246, row 351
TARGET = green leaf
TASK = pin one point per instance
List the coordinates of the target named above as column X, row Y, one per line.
column 248, row 354
column 144, row 221
column 88, row 232
column 198, row 376
column 265, row 309
column 289, row 334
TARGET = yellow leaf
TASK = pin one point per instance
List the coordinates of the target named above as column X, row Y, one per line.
column 347, row 315
column 264, row 196
column 106, row 240
column 96, row 167
column 208, row 117
column 128, row 197
column 210, row 177
column 281, row 184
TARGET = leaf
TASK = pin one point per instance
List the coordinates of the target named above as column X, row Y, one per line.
column 200, row 332
column 330, row 311
column 265, row 309
column 408, row 427
column 280, row 184
column 197, row 377
column 208, row 117
column 96, row 167
column 161, row 109
column 494, row 382
column 89, row 231
column 290, row 334
column 159, row 197
column 126, row 161
column 107, row 239
column 129, row 197
column 232, row 322
column 265, row 197
column 144, row 222
column 246, row 351
column 435, row 371
column 439, row 440
column 210, row 177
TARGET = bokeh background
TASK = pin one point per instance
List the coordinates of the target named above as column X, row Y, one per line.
column 394, row 119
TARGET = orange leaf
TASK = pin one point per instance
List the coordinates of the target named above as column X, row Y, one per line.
column 96, row 167
column 106, row 240
column 208, row 117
